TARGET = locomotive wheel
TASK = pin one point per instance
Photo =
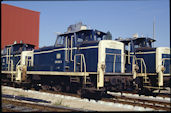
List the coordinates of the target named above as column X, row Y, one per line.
column 67, row 88
column 145, row 91
column 83, row 93
column 57, row 88
column 79, row 92
column 5, row 84
column 26, row 86
column 36, row 87
column 10, row 84
column 16, row 85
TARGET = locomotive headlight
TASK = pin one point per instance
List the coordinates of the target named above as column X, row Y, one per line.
column 20, row 68
column 163, row 68
column 136, row 67
column 103, row 66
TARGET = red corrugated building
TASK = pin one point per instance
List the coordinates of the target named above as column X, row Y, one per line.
column 19, row 24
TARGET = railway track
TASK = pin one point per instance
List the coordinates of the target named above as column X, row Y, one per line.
column 162, row 98
column 11, row 105
column 134, row 101
column 163, row 95
column 126, row 100
column 146, row 103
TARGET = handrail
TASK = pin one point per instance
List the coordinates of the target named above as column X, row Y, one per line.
column 82, row 58
column 12, row 69
column 133, row 64
column 133, row 56
column 71, row 47
column 163, row 60
column 18, row 63
column 142, row 64
column 114, row 63
column 66, row 51
column 11, row 65
column 29, row 62
column 8, row 57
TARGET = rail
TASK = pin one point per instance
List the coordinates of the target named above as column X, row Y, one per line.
column 143, row 71
column 18, row 63
column 135, row 100
column 28, row 61
column 8, row 58
column 9, row 61
column 12, row 69
column 12, row 105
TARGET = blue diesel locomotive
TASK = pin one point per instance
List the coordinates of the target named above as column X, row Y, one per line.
column 153, row 68
column 82, row 61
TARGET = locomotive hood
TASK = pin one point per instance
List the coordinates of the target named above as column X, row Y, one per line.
column 108, row 50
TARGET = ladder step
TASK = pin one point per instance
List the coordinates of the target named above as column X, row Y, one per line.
column 88, row 77
column 147, row 82
column 88, row 82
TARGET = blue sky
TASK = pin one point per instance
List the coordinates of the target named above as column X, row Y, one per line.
column 122, row 18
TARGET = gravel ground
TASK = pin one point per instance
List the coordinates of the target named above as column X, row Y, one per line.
column 74, row 102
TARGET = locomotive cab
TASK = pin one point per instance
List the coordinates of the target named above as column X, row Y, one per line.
column 79, row 37
column 17, row 48
column 137, row 43
column 77, row 42
column 11, row 54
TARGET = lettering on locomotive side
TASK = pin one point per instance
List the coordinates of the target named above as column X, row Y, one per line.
column 58, row 61
column 58, row 56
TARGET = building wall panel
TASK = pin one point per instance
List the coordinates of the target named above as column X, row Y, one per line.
column 19, row 24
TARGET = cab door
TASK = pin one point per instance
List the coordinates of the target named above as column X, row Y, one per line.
column 70, row 51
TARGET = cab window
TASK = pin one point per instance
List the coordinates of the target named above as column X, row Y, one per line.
column 99, row 36
column 60, row 41
column 17, row 48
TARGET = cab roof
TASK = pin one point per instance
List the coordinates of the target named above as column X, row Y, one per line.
column 138, row 40
column 19, row 44
column 68, row 33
